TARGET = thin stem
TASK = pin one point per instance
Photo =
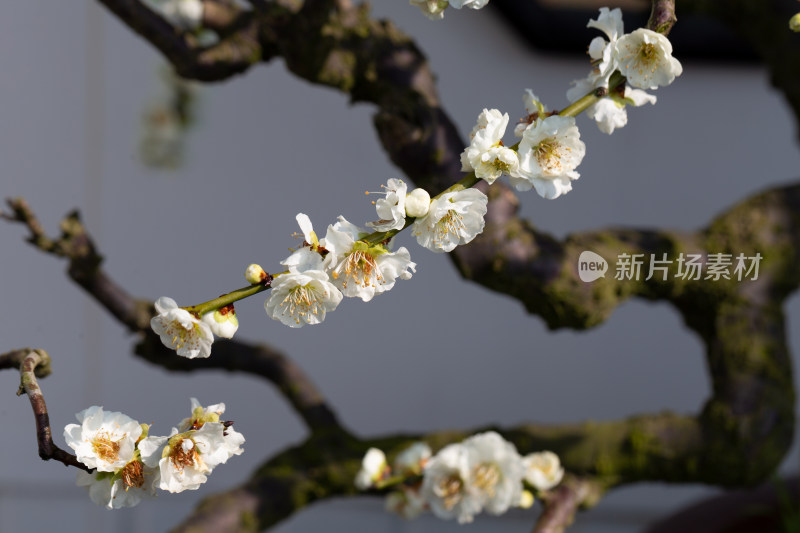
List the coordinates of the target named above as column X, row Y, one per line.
column 227, row 299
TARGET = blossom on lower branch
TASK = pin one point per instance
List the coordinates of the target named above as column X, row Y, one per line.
column 482, row 473
column 130, row 465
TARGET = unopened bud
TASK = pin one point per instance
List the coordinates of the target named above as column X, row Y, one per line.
column 255, row 274
column 222, row 321
column 418, row 202
column 525, row 499
column 794, row 22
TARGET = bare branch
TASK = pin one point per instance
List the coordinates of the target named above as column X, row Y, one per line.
column 563, row 502
column 33, row 363
column 662, row 16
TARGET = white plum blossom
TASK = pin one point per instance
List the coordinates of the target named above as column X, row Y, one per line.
column 543, row 470
column 433, row 9
column 454, row 218
column 185, row 14
column 360, row 269
column 534, row 109
column 392, row 208
column 124, row 489
column 447, row 485
column 406, row 502
column 373, row 468
column 496, row 471
column 309, row 237
column 602, row 51
column 472, row 4
column 549, row 152
column 184, row 460
column 232, row 439
column 105, row 440
column 413, row 459
column 486, row 154
column 609, row 112
column 180, row 330
column 300, row 298
column 418, row 202
column 222, row 322
column 644, row 57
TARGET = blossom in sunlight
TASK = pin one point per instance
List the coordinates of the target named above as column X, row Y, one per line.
column 418, row 202
column 127, row 488
column 454, row 218
column 180, row 330
column 392, row 208
column 486, row 155
column 373, row 469
column 534, row 109
column 300, row 298
column 185, row 459
column 185, row 14
column 447, row 485
column 222, row 322
column 609, row 112
column 104, row 440
column 496, row 471
column 200, row 416
column 472, row 4
column 360, row 269
column 644, row 57
column 601, row 51
column 549, row 152
column 413, row 459
column 433, row 9
column 543, row 470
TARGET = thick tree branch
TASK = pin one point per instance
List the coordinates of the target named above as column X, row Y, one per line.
column 563, row 502
column 33, row 363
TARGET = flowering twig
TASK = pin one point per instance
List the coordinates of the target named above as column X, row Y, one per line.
column 33, row 363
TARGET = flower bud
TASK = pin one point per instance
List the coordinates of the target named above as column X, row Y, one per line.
column 794, row 22
column 418, row 202
column 525, row 499
column 222, row 321
column 255, row 274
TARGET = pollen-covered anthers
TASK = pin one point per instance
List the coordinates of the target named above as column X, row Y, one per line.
column 184, row 453
column 452, row 222
column 486, row 477
column 549, row 153
column 105, row 448
column 301, row 301
column 449, row 490
column 133, row 475
column 361, row 268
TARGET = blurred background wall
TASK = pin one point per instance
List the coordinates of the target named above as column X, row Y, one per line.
column 74, row 87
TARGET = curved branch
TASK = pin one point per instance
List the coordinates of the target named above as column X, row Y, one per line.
column 33, row 363
column 76, row 245
column 563, row 502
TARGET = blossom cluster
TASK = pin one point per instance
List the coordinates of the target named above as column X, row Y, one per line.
column 643, row 57
column 352, row 262
column 128, row 464
column 482, row 473
column 434, row 9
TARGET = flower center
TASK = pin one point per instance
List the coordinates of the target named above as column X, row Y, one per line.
column 105, row 448
column 133, row 475
column 361, row 268
column 548, row 154
column 451, row 222
column 487, row 476
column 183, row 456
column 300, row 302
column 449, row 490
column 648, row 53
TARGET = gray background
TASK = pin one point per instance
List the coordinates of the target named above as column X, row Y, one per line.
column 74, row 85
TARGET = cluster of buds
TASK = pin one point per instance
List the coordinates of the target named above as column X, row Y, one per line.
column 483, row 473
column 128, row 464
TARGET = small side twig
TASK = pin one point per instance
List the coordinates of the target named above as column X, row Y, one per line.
column 562, row 504
column 33, row 363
